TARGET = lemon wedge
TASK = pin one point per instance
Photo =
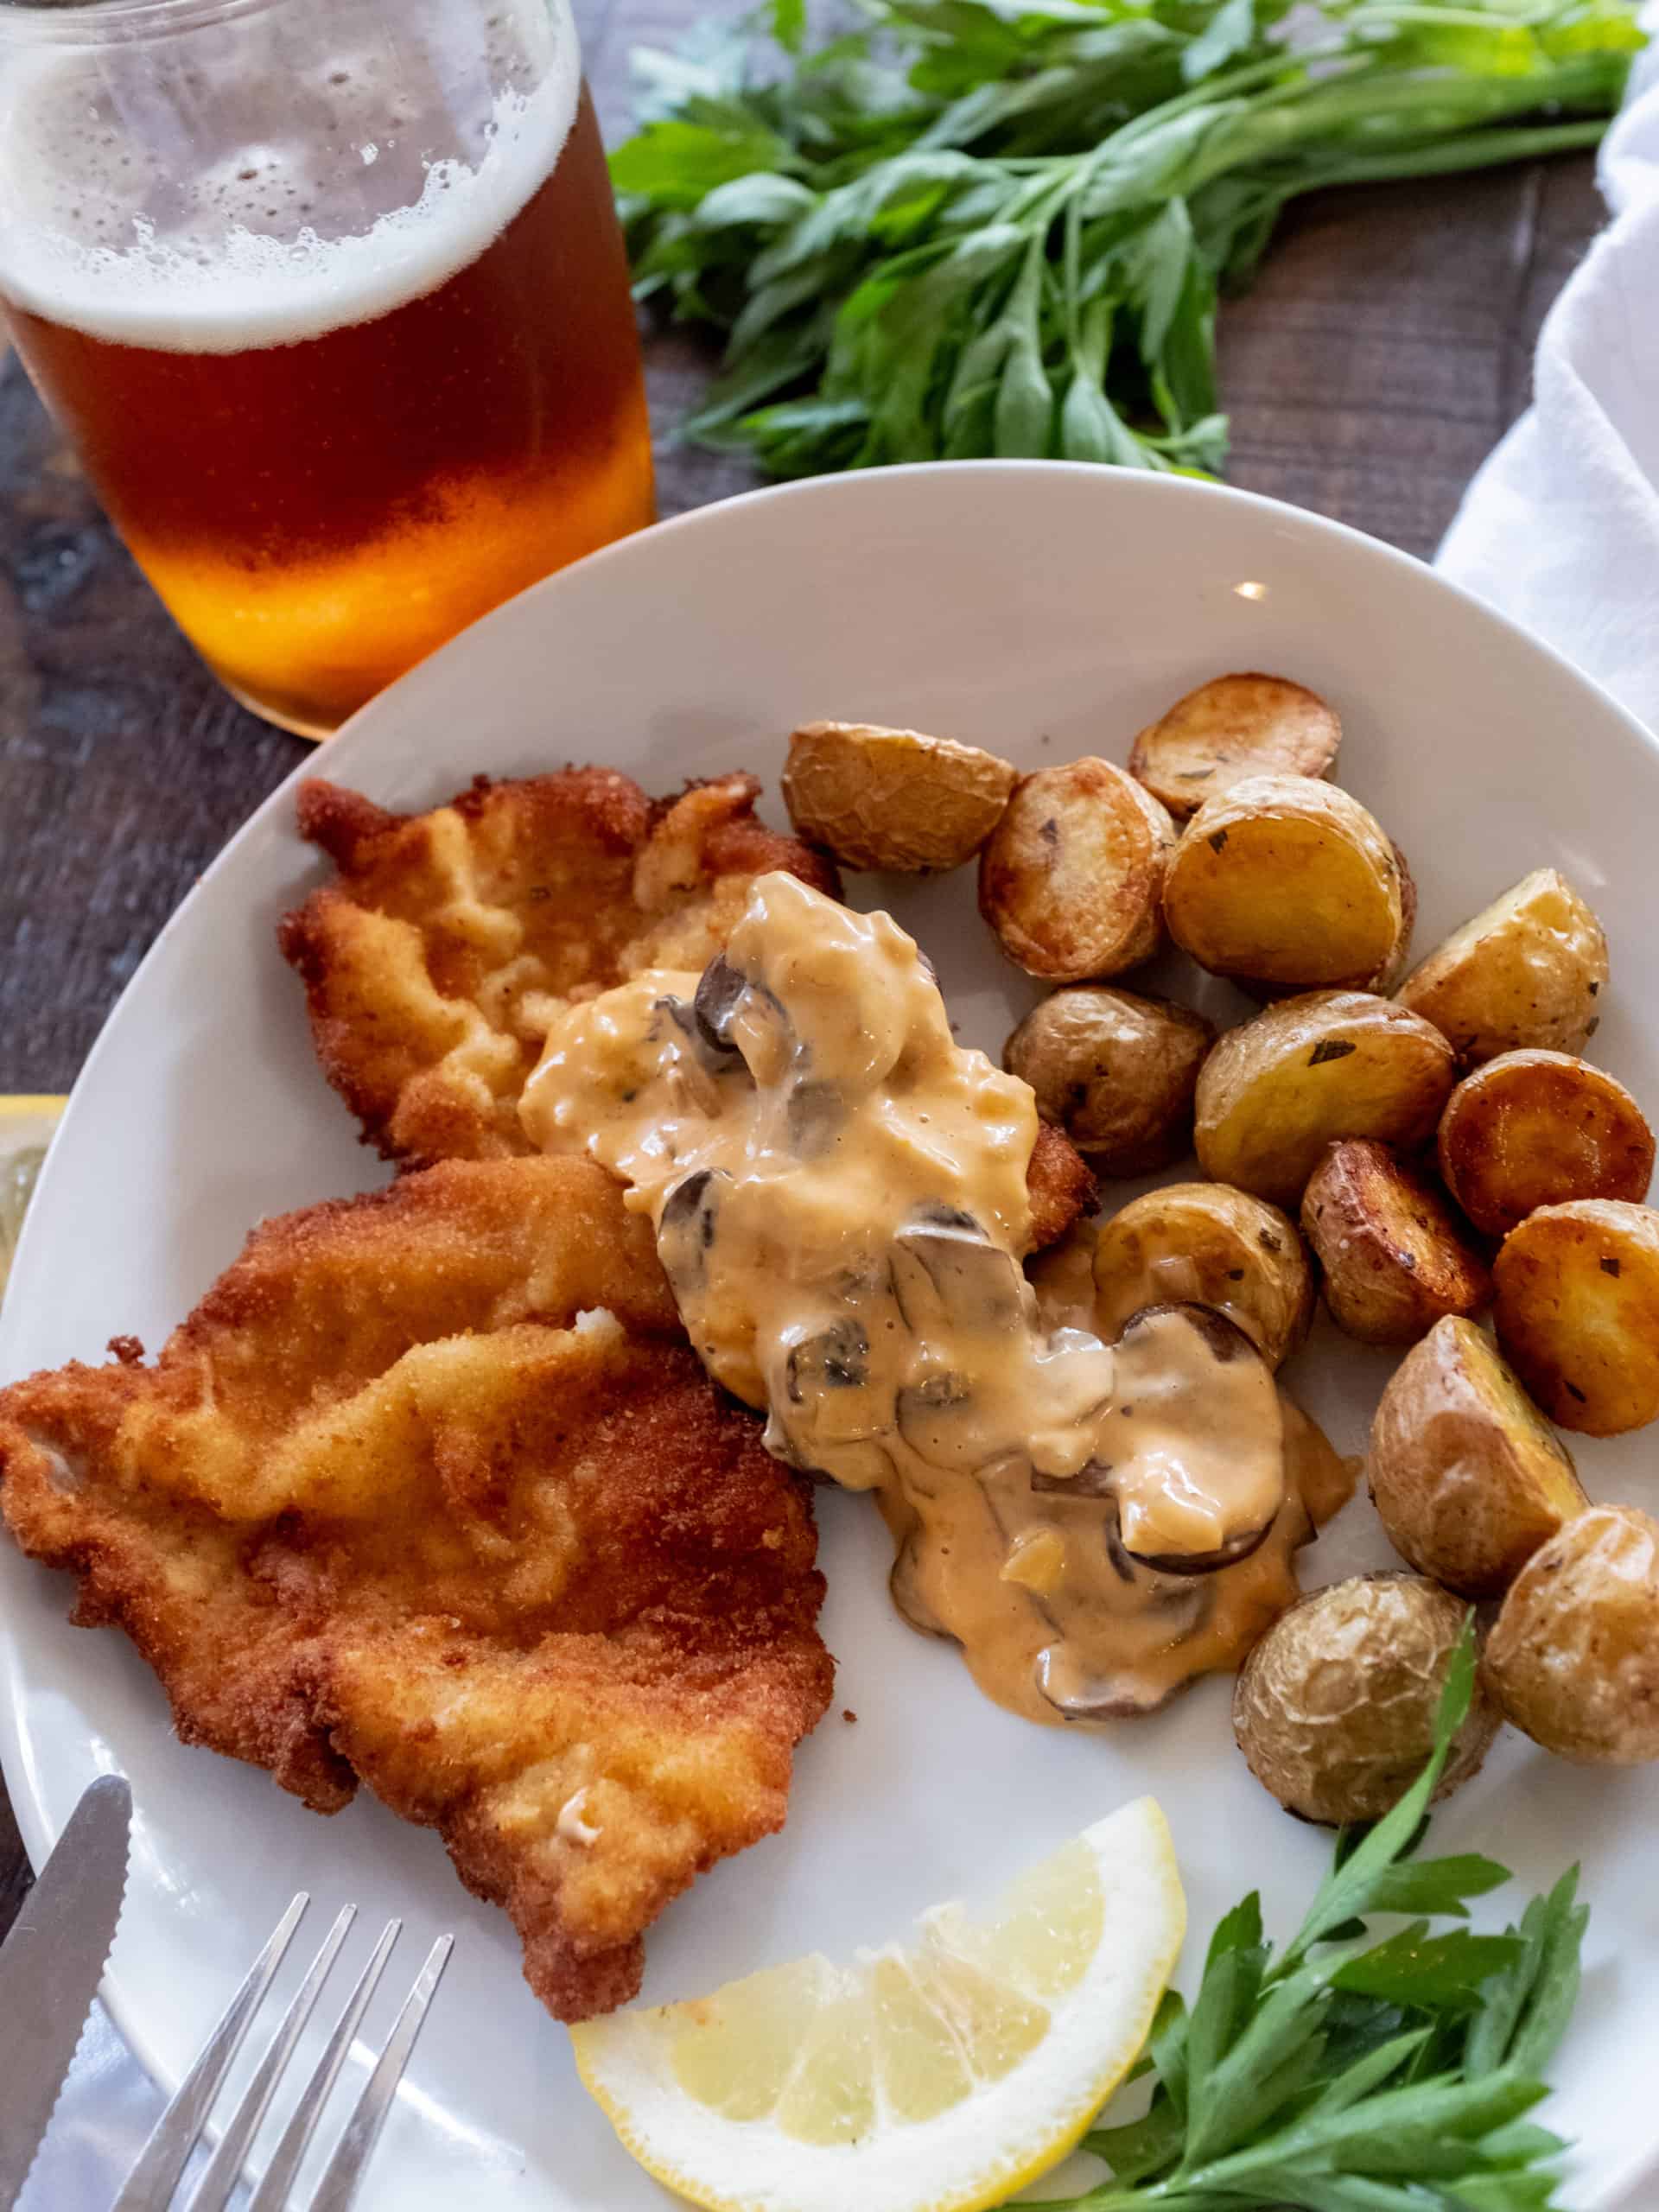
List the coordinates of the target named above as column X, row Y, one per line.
column 933, row 2077
column 26, row 1126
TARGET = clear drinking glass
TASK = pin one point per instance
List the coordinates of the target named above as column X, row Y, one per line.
column 331, row 297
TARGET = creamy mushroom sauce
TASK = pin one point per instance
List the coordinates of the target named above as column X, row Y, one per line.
column 839, row 1195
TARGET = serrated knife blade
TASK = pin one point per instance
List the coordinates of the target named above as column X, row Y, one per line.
column 50, row 1967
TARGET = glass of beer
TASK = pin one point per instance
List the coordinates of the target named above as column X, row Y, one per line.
column 331, row 297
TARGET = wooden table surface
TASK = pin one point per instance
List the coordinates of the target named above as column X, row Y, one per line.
column 1387, row 343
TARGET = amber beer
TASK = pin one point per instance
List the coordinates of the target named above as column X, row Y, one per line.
column 327, row 473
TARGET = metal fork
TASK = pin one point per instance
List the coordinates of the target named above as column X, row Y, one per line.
column 152, row 2182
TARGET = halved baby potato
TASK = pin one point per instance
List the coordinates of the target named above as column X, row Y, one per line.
column 1573, row 1659
column 1395, row 1259
column 893, row 798
column 1538, row 1128
column 1277, row 1091
column 1115, row 1071
column 1334, row 1709
column 1232, row 727
column 1467, row 1476
column 1528, row 970
column 1289, row 884
column 1073, row 877
column 1577, row 1310
column 1205, row 1244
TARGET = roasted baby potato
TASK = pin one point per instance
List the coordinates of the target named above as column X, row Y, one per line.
column 1467, row 1476
column 1536, row 1129
column 1577, row 1309
column 1232, row 727
column 893, row 798
column 1526, row 971
column 1205, row 1244
column 1073, row 877
column 1394, row 1259
column 1289, row 884
column 1334, row 1709
column 1309, row 1070
column 1115, row 1071
column 1573, row 1659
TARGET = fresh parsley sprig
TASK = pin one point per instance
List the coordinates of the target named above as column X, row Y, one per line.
column 1349, row 2074
column 1001, row 227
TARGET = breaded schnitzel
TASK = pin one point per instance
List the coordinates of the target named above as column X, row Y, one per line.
column 435, row 962
column 1062, row 1190
column 378, row 1511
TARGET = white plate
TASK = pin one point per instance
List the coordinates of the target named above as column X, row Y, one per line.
column 1045, row 611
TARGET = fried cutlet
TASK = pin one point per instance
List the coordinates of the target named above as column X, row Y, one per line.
column 380, row 1512
column 435, row 961
column 1063, row 1190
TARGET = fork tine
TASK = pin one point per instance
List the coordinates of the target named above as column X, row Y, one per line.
column 271, row 2195
column 214, row 2192
column 344, row 2171
column 150, row 2184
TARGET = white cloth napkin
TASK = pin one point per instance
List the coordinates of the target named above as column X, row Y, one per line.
column 1559, row 529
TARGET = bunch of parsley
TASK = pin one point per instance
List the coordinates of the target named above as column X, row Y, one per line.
column 1352, row 2074
column 1001, row 227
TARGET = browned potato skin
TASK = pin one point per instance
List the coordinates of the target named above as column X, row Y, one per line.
column 1388, row 977
column 1395, row 1259
column 1573, row 1659
column 1072, row 877
column 1526, row 971
column 1538, row 1128
column 1577, row 1311
column 1309, row 1070
column 1230, row 727
column 1289, row 884
column 1467, row 1477
column 1334, row 1709
column 1205, row 1244
column 893, row 798
column 1115, row 1071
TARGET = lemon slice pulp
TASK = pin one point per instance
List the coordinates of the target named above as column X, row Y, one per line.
column 935, row 2077
column 26, row 1126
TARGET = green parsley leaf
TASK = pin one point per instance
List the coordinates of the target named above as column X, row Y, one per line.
column 1346, row 2073
column 1094, row 172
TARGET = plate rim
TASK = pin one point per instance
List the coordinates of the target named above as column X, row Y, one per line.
column 363, row 730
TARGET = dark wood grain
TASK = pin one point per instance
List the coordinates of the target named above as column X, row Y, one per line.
column 1385, row 347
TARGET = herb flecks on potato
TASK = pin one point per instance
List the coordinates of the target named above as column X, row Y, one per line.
column 1289, row 884
column 1573, row 1659
column 1309, row 1070
column 1538, row 1128
column 1467, row 1476
column 1393, row 1258
column 1071, row 879
column 1530, row 969
column 1232, row 727
column 893, row 798
column 1577, row 1310
column 1334, row 1710
column 1116, row 1071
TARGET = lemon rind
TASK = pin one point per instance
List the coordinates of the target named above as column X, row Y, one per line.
column 965, row 2158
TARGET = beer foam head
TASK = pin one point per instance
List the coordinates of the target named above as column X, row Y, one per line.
column 319, row 200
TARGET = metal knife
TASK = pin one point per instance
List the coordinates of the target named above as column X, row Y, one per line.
column 50, row 1967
